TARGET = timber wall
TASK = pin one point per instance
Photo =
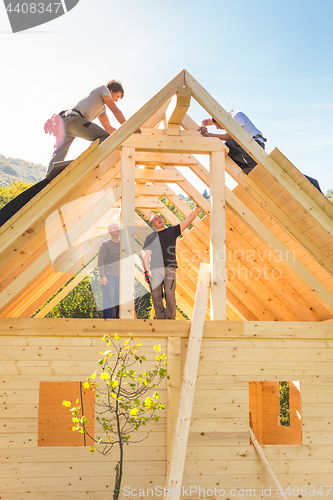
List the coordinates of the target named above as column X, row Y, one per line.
column 219, row 452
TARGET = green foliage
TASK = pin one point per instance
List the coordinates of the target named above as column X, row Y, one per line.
column 80, row 302
column 122, row 402
column 329, row 195
column 9, row 192
column 12, row 169
column 125, row 399
column 284, row 404
column 143, row 301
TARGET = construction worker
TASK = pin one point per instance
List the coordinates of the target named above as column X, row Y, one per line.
column 77, row 122
column 236, row 152
column 109, row 272
column 160, row 257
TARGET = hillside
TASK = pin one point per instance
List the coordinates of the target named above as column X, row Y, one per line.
column 14, row 169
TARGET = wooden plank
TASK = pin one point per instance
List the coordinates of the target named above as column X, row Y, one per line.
column 153, row 175
column 217, row 237
column 127, row 241
column 175, row 159
column 96, row 328
column 179, row 445
column 173, row 387
column 174, row 144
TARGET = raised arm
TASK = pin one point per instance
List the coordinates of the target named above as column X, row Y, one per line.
column 106, row 124
column 190, row 218
column 114, row 108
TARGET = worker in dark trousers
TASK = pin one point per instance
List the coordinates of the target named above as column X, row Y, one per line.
column 236, row 152
column 77, row 122
column 160, row 258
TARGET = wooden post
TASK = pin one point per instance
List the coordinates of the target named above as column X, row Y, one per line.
column 127, row 254
column 173, row 387
column 217, row 236
column 182, row 427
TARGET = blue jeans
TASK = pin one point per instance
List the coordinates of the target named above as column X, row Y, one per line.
column 111, row 298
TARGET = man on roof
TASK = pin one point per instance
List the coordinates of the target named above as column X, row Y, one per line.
column 77, row 122
column 236, row 152
column 160, row 256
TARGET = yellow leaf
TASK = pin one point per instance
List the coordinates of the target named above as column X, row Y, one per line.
column 134, row 411
column 86, row 385
column 116, row 336
column 104, row 376
column 93, row 376
column 66, row 403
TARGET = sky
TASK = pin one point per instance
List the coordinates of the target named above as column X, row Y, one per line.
column 272, row 60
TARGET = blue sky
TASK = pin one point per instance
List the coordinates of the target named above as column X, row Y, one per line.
column 272, row 60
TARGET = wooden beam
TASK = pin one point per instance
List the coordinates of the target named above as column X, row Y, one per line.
column 176, row 159
column 86, row 163
column 301, row 272
column 266, row 463
column 217, row 236
column 177, row 110
column 275, row 211
column 260, row 156
column 89, row 219
column 174, row 144
column 154, row 175
column 152, row 190
column 127, row 243
column 157, row 117
column 173, row 386
column 182, row 427
column 63, row 293
column 96, row 328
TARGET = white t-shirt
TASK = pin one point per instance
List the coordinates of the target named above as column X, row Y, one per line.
column 246, row 124
column 92, row 105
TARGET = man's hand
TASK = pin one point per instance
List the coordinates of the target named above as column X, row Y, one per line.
column 203, row 131
column 183, row 225
column 104, row 281
column 138, row 131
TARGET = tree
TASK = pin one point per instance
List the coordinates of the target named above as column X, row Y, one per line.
column 9, row 192
column 329, row 195
column 284, row 404
column 122, row 405
column 205, row 194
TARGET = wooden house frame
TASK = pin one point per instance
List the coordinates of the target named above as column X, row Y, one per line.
column 263, row 253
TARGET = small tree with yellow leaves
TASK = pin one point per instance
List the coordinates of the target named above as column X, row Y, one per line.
column 122, row 404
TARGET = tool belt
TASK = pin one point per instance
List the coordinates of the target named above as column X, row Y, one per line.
column 70, row 112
